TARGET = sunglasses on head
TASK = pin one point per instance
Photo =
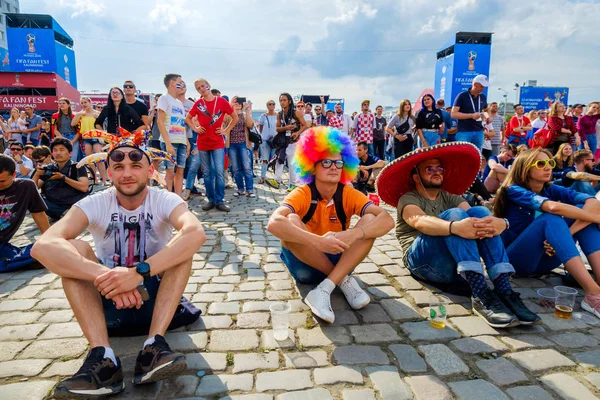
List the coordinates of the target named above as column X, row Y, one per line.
column 128, row 87
column 542, row 164
column 339, row 164
column 134, row 155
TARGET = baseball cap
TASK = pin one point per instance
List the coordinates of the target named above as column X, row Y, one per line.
column 366, row 102
column 578, row 105
column 482, row 80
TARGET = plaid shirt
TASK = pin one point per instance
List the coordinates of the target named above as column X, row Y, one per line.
column 336, row 122
column 364, row 127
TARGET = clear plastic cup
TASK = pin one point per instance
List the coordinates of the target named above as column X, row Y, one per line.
column 280, row 319
column 547, row 297
column 438, row 310
column 565, row 302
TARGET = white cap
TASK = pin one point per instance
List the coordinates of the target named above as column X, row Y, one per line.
column 482, row 80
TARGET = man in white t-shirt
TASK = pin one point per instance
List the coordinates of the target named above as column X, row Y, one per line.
column 173, row 136
column 132, row 284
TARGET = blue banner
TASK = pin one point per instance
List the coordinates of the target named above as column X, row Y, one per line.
column 65, row 64
column 470, row 60
column 31, row 50
column 443, row 79
column 542, row 98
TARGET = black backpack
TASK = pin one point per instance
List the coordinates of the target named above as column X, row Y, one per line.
column 337, row 201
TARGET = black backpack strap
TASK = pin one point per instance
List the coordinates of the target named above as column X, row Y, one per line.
column 314, row 200
column 339, row 205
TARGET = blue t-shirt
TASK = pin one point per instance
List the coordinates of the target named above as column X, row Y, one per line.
column 447, row 121
column 524, row 205
column 487, row 169
column 468, row 104
column 33, row 122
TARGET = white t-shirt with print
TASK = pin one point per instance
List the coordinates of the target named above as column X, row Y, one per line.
column 103, row 210
column 174, row 118
column 487, row 143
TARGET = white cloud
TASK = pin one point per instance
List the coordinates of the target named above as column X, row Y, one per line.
column 167, row 13
column 82, row 7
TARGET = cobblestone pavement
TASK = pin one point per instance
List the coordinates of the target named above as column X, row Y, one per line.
column 385, row 351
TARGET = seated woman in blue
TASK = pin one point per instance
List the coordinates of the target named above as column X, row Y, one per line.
column 564, row 159
column 546, row 220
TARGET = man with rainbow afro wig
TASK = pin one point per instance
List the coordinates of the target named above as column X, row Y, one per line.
column 313, row 222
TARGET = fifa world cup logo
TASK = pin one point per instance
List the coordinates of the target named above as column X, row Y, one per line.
column 472, row 56
column 31, row 42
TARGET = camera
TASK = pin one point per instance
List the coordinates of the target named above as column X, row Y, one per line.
column 48, row 169
column 241, row 100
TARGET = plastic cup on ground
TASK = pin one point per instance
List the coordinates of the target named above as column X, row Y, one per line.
column 565, row 302
column 438, row 310
column 547, row 297
column 280, row 319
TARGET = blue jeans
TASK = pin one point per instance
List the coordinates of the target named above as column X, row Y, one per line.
column 302, row 272
column 242, row 168
column 192, row 164
column 517, row 140
column 55, row 211
column 14, row 258
column 266, row 153
column 438, row 259
column 592, row 143
column 371, row 149
column 75, row 155
column 527, row 252
column 36, row 141
column 475, row 137
column 430, row 137
column 180, row 153
column 213, row 169
column 583, row 187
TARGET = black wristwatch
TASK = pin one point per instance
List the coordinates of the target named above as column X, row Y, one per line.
column 143, row 269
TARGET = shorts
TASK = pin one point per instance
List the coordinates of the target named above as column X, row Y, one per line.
column 492, row 184
column 154, row 143
column 134, row 322
column 302, row 272
column 180, row 155
column 91, row 141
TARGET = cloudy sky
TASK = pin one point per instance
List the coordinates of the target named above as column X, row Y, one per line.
column 383, row 50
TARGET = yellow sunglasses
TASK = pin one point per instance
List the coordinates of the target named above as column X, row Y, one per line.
column 542, row 164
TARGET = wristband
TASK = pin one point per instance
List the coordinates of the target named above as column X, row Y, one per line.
column 507, row 223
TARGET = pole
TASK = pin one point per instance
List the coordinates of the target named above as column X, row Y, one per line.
column 505, row 100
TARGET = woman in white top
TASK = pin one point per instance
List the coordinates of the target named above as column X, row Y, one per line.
column 267, row 126
column 14, row 129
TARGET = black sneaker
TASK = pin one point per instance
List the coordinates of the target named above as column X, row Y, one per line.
column 515, row 304
column 209, row 206
column 493, row 311
column 223, row 207
column 97, row 377
column 157, row 362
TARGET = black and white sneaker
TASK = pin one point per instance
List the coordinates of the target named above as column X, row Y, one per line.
column 516, row 306
column 157, row 362
column 493, row 311
column 97, row 377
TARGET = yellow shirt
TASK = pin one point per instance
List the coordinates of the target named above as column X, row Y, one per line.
column 87, row 123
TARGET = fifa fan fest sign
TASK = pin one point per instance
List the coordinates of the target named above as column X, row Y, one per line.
column 542, row 98
column 459, row 62
column 31, row 50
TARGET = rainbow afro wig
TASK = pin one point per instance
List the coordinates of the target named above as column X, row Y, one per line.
column 317, row 144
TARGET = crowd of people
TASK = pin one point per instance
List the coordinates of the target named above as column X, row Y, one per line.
column 466, row 185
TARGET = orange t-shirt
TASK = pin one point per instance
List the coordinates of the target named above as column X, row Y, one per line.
column 325, row 217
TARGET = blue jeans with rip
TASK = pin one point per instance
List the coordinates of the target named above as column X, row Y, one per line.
column 192, row 164
column 431, row 138
column 242, row 167
column 592, row 143
column 475, row 137
column 266, row 153
column 439, row 259
column 528, row 254
column 213, row 172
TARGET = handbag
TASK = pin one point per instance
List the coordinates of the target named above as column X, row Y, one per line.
column 403, row 127
column 254, row 137
column 279, row 141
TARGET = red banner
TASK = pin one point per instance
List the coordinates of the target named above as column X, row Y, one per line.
column 37, row 102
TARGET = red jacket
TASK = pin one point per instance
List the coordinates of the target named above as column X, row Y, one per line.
column 555, row 124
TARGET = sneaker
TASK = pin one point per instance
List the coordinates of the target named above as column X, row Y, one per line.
column 291, row 188
column 238, row 194
column 157, row 362
column 273, row 183
column 591, row 304
column 97, row 377
column 515, row 304
column 186, row 194
column 493, row 311
column 251, row 195
column 357, row 298
column 319, row 301
column 209, row 206
column 223, row 207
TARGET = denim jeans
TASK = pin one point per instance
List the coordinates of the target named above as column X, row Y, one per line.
column 475, row 137
column 430, row 137
column 266, row 153
column 592, row 143
column 517, row 140
column 242, row 169
column 583, row 187
column 55, row 211
column 302, row 272
column 527, row 252
column 213, row 168
column 75, row 155
column 438, row 259
column 179, row 158
column 371, row 149
column 192, row 164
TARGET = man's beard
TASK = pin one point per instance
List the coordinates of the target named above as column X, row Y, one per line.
column 431, row 185
column 588, row 168
column 137, row 190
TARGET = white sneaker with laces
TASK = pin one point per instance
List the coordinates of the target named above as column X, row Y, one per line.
column 357, row 298
column 319, row 301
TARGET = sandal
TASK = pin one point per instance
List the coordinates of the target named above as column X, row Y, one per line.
column 251, row 195
column 238, row 194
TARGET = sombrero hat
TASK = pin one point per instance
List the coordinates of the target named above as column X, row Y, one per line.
column 461, row 162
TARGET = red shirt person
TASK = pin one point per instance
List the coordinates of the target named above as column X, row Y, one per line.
column 518, row 126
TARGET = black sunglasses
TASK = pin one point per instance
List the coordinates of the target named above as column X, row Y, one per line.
column 16, row 149
column 128, row 87
column 339, row 164
column 135, row 155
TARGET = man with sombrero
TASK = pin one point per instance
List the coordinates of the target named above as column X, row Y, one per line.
column 442, row 236
column 132, row 282
column 313, row 221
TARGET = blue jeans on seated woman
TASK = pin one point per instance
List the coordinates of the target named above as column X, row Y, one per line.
column 528, row 254
column 242, row 167
column 439, row 259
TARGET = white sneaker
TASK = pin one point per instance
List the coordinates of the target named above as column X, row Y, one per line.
column 319, row 301
column 357, row 298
